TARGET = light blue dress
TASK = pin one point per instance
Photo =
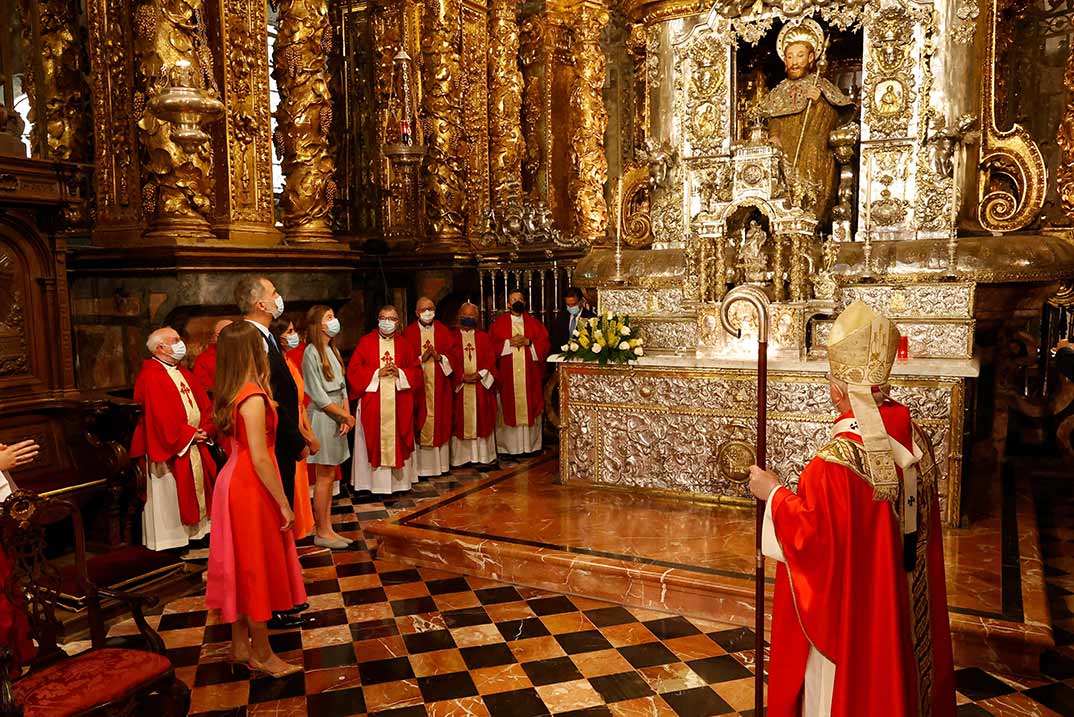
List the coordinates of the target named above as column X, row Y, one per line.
column 334, row 448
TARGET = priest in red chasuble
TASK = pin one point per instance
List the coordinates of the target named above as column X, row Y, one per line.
column 522, row 344
column 170, row 438
column 859, row 622
column 473, row 439
column 205, row 363
column 433, row 343
column 383, row 374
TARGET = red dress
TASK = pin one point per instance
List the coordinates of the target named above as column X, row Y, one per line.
column 253, row 566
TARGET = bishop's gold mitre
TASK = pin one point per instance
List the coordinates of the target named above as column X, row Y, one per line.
column 862, row 346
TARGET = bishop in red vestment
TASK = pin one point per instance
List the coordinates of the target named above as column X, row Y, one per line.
column 522, row 344
column 433, row 343
column 859, row 622
column 205, row 363
column 170, row 438
column 473, row 439
column 382, row 374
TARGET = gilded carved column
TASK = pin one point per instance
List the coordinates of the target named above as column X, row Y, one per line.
column 589, row 121
column 474, row 59
column 54, row 80
column 505, row 102
column 535, row 54
column 303, row 119
column 117, row 178
column 1064, row 173
column 177, row 184
column 442, row 110
column 242, row 142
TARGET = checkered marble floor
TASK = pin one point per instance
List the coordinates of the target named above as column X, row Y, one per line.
column 384, row 639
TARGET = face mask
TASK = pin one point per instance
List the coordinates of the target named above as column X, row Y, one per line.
column 468, row 323
column 277, row 310
column 518, row 307
column 291, row 340
column 427, row 316
column 178, row 350
column 331, row 327
column 574, row 310
column 386, row 326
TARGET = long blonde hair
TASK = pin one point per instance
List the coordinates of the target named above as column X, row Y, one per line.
column 314, row 317
column 240, row 359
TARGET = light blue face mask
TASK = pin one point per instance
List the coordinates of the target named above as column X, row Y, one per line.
column 574, row 310
column 331, row 327
column 386, row 326
column 178, row 351
column 291, row 340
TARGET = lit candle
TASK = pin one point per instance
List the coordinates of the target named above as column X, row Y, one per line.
column 954, row 190
column 868, row 197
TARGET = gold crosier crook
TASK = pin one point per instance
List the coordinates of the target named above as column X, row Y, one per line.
column 759, row 301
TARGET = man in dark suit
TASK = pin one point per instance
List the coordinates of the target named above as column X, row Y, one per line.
column 260, row 303
column 562, row 327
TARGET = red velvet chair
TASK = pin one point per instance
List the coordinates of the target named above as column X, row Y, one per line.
column 100, row 681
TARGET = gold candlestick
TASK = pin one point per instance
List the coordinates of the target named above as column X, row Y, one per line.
column 619, row 278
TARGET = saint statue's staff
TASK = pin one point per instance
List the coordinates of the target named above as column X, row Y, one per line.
column 822, row 63
column 756, row 298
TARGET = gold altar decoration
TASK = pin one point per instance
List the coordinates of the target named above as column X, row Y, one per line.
column 474, row 50
column 242, row 143
column 177, row 185
column 637, row 224
column 54, row 80
column 505, row 102
column 304, row 118
column 535, row 54
column 589, row 164
column 1012, row 178
column 445, row 189
column 1064, row 174
column 118, row 188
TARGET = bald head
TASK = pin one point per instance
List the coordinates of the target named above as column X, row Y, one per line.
column 468, row 314
column 425, row 310
column 160, row 344
column 218, row 327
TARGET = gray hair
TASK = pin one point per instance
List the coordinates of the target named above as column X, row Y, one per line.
column 248, row 292
column 156, row 340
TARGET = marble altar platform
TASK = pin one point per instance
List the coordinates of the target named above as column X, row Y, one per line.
column 694, row 558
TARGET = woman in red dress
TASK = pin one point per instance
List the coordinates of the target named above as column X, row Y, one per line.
column 253, row 566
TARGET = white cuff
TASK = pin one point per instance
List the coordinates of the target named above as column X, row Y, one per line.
column 533, row 352
column 401, row 384
column 188, row 445
column 374, row 383
column 445, row 365
column 769, row 543
column 506, row 348
column 487, row 379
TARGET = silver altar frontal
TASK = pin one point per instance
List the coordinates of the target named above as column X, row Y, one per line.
column 767, row 172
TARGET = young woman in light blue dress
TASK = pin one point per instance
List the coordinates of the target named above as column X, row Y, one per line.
column 330, row 417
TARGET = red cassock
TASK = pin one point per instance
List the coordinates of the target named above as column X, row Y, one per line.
column 444, row 343
column 484, row 359
column 163, row 432
column 845, row 590
column 535, row 331
column 364, row 363
column 205, row 368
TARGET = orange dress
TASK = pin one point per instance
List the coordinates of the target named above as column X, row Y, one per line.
column 302, row 507
column 253, row 565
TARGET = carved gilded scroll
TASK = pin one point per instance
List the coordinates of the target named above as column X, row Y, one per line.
column 177, row 186
column 474, row 58
column 535, row 54
column 54, row 80
column 637, row 224
column 505, row 103
column 115, row 145
column 303, row 119
column 589, row 165
column 1012, row 178
column 442, row 109
column 1064, row 173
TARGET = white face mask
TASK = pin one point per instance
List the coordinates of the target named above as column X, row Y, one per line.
column 331, row 327
column 427, row 316
column 386, row 326
column 277, row 309
column 178, row 351
column 290, row 340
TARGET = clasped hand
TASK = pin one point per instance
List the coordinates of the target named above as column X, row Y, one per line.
column 429, row 354
column 519, row 341
column 389, row 371
column 346, row 423
column 471, row 378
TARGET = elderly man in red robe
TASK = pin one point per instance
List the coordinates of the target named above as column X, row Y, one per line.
column 522, row 344
column 205, row 363
column 170, row 438
column 434, row 345
column 473, row 440
column 383, row 374
column 859, row 623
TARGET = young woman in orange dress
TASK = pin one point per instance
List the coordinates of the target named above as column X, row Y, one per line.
column 283, row 330
column 253, row 565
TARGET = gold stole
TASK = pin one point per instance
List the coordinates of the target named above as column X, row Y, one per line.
column 428, row 369
column 193, row 419
column 387, row 404
column 518, row 374
column 469, row 390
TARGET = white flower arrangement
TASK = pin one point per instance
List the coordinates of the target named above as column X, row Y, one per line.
column 605, row 339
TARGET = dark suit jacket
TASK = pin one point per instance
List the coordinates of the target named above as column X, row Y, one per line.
column 289, row 441
column 559, row 330
column 1064, row 361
